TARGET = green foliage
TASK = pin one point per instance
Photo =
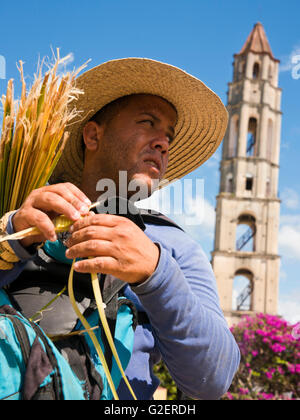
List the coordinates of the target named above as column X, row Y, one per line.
column 161, row 371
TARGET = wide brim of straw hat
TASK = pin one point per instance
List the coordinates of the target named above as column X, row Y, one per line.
column 202, row 117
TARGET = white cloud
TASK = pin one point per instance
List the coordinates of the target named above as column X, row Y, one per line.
column 290, row 198
column 289, row 236
column 290, row 219
column 289, row 241
column 287, row 63
column 289, row 308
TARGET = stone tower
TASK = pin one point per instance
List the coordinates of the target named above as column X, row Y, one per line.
column 245, row 259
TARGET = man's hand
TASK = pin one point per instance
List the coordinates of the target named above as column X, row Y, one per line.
column 118, row 247
column 44, row 204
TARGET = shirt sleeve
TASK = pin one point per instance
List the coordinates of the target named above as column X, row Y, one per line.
column 8, row 276
column 192, row 334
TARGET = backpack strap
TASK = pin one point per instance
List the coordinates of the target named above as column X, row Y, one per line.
column 20, row 331
column 57, row 382
column 37, row 366
column 112, row 287
column 157, row 219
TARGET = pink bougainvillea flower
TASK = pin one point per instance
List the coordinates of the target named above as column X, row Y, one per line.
column 278, row 348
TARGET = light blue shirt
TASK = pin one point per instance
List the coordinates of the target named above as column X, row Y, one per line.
column 188, row 329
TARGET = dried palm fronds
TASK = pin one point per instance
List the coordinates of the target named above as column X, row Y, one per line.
column 32, row 140
column 33, row 132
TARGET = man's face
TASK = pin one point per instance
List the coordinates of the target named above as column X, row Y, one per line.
column 137, row 140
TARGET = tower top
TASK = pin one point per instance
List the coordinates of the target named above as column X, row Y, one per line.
column 257, row 42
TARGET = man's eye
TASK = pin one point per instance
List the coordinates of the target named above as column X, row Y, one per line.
column 170, row 138
column 150, row 122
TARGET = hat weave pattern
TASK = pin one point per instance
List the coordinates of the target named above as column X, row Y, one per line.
column 201, row 124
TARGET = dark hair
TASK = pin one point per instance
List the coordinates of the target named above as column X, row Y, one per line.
column 107, row 113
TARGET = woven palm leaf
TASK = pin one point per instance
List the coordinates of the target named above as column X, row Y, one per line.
column 34, row 133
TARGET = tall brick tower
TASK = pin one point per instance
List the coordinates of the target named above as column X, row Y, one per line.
column 245, row 258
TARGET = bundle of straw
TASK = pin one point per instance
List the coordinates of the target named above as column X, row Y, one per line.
column 31, row 143
column 33, row 132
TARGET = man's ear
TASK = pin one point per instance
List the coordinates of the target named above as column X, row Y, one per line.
column 92, row 135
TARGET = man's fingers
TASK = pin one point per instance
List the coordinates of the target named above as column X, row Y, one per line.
column 43, row 204
column 91, row 248
column 78, row 193
column 62, row 200
column 49, row 201
column 89, row 233
column 107, row 220
column 70, row 193
column 43, row 223
column 104, row 265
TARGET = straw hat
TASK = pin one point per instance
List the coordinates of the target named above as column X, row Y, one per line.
column 202, row 118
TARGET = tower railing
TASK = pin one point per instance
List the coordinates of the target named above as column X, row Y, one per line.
column 243, row 296
column 250, row 145
column 245, row 238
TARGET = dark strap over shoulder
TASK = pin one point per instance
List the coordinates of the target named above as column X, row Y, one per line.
column 157, row 219
column 122, row 207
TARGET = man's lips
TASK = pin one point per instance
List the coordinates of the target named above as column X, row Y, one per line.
column 153, row 162
column 152, row 166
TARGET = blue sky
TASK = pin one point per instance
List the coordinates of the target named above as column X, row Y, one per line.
column 196, row 35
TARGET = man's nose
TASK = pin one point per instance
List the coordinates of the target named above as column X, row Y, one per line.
column 161, row 142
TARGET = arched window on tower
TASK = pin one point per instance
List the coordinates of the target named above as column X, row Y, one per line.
column 233, row 136
column 245, row 233
column 251, row 138
column 249, row 182
column 255, row 73
column 242, row 291
column 270, row 140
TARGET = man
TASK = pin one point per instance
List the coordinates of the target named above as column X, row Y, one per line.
column 155, row 123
